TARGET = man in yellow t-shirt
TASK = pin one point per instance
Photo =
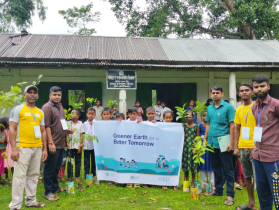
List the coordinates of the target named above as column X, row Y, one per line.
column 244, row 144
column 27, row 137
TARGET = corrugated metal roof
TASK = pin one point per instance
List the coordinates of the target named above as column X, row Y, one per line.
column 139, row 65
column 221, row 50
column 71, row 48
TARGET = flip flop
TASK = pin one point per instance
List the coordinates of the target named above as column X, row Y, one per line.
column 48, row 196
column 244, row 207
column 39, row 205
column 136, row 186
column 229, row 201
column 129, row 185
column 61, row 190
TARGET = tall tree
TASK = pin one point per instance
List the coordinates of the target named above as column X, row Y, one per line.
column 20, row 12
column 5, row 26
column 80, row 18
column 246, row 19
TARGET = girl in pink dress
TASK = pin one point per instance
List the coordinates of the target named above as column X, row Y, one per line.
column 3, row 145
column 140, row 111
column 8, row 163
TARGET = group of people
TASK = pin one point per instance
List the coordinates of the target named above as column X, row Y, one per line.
column 253, row 130
column 34, row 135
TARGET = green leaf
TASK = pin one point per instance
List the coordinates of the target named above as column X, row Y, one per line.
column 202, row 160
column 4, row 111
column 40, row 76
column 34, row 83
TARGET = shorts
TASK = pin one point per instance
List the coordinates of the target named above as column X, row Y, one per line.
column 247, row 163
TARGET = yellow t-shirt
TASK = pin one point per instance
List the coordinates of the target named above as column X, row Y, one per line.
column 25, row 128
column 251, row 123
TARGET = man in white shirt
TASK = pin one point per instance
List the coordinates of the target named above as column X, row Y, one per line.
column 158, row 110
column 164, row 108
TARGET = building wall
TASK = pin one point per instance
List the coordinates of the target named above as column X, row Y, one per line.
column 204, row 79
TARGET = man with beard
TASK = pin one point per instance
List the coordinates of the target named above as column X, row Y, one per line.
column 244, row 144
column 56, row 131
column 27, row 137
column 220, row 122
column 266, row 138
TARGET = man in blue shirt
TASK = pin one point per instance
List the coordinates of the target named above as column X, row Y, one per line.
column 220, row 122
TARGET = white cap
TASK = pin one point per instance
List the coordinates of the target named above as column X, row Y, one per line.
column 30, row 87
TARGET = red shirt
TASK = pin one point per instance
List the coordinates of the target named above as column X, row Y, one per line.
column 268, row 149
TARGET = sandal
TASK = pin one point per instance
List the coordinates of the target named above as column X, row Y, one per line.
column 129, row 185
column 164, row 188
column 175, row 188
column 97, row 182
column 109, row 183
column 136, row 186
column 48, row 196
column 39, row 205
column 239, row 187
column 245, row 207
column 211, row 194
column 229, row 201
column 61, row 190
column 154, row 186
column 145, row 186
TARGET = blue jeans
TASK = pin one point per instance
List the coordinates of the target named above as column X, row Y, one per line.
column 222, row 164
column 89, row 155
column 51, row 169
column 266, row 184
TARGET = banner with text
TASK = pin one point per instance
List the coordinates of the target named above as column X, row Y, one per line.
column 144, row 153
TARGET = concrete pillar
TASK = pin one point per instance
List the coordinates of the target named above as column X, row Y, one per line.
column 232, row 89
column 210, row 82
column 122, row 102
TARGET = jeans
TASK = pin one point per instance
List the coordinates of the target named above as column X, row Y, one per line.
column 89, row 155
column 51, row 169
column 222, row 164
column 73, row 153
column 267, row 184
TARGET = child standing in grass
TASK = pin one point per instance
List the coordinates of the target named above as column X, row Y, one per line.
column 150, row 114
column 88, row 145
column 205, row 168
column 75, row 144
column 168, row 117
column 106, row 116
column 8, row 163
column 191, row 131
column 3, row 145
column 132, row 114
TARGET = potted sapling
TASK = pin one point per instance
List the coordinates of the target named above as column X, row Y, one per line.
column 89, row 177
column 181, row 113
column 200, row 109
column 199, row 149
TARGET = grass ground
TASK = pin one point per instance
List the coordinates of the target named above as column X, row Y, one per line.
column 112, row 197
